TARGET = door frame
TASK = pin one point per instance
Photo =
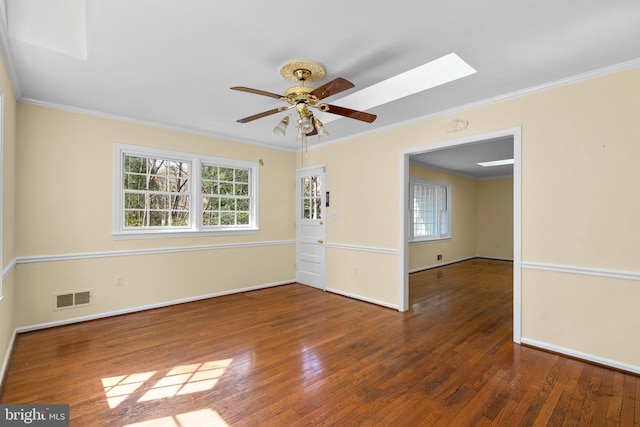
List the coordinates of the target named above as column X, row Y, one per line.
column 320, row 167
column 403, row 269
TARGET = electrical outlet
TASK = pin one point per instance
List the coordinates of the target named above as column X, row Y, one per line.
column 439, row 257
column 120, row 281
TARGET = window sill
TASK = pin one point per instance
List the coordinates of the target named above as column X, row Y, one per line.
column 163, row 234
column 421, row 241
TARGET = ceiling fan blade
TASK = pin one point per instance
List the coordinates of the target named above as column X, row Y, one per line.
column 257, row 92
column 352, row 114
column 260, row 115
column 334, row 86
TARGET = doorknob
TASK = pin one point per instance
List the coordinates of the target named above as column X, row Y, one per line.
column 320, row 241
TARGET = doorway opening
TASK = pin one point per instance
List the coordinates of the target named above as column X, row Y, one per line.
column 434, row 157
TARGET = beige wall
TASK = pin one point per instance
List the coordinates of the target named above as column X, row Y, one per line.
column 481, row 220
column 462, row 244
column 7, row 311
column 579, row 202
column 494, row 218
column 64, row 189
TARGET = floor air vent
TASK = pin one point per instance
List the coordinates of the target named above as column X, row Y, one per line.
column 72, row 299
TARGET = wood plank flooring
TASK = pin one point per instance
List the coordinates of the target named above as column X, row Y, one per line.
column 296, row 356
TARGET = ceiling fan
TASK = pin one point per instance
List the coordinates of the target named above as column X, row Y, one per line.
column 304, row 98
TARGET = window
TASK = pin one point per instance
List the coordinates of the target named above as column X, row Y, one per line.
column 156, row 192
column 429, row 210
column 161, row 192
column 311, row 197
column 225, row 196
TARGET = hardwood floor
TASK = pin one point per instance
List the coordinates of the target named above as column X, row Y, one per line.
column 296, row 356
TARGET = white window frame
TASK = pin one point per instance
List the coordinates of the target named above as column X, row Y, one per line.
column 438, row 236
column 195, row 227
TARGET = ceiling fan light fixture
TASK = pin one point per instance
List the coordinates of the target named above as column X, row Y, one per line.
column 281, row 129
column 305, row 124
column 323, row 134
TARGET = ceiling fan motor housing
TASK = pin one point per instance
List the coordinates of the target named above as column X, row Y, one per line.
column 302, row 70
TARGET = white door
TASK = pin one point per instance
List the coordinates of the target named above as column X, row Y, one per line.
column 310, row 226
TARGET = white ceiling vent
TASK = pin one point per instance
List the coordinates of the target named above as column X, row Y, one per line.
column 72, row 299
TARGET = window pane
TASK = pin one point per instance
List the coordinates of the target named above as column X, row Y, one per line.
column 178, row 185
column 134, row 218
column 306, row 186
column 227, row 204
column 209, row 172
column 154, row 192
column 135, row 164
column 134, row 201
column 135, row 182
column 209, row 187
column 226, row 174
column 317, row 212
column 180, row 203
column 233, row 185
column 242, row 205
column 306, row 209
column 179, row 218
column 242, row 190
column 227, row 218
column 211, row 218
column 243, row 218
column 158, row 201
column 211, row 203
column 156, row 183
column 226, row 189
column 242, row 175
column 158, row 219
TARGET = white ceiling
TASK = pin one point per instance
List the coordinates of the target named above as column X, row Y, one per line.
column 463, row 159
column 172, row 63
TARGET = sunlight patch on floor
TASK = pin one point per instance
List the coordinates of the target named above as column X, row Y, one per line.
column 180, row 380
column 204, row 417
column 118, row 389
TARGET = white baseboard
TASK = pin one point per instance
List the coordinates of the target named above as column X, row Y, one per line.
column 147, row 307
column 440, row 264
column 7, row 358
column 580, row 355
column 361, row 298
column 497, row 258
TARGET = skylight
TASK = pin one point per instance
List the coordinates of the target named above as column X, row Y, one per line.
column 435, row 73
column 496, row 163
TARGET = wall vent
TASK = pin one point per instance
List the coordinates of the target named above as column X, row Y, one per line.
column 71, row 299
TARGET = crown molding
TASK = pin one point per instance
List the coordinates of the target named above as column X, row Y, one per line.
column 5, row 51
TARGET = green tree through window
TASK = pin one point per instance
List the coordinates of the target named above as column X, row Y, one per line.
column 156, row 192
